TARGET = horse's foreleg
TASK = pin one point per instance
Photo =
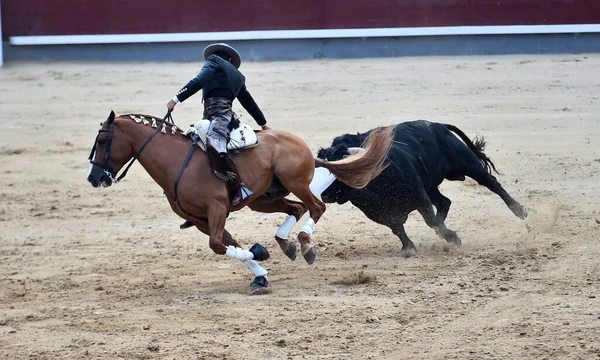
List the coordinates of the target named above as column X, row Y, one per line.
column 216, row 228
column 294, row 209
column 260, row 274
column 221, row 242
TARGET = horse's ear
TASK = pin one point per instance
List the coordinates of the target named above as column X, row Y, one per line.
column 111, row 117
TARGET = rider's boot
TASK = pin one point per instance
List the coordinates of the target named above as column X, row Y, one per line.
column 240, row 191
column 232, row 176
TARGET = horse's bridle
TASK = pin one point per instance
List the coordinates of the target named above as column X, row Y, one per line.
column 104, row 164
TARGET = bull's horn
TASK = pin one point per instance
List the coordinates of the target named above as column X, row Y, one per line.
column 354, row 150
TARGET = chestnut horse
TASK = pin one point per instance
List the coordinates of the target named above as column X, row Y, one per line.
column 281, row 163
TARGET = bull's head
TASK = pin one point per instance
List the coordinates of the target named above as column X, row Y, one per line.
column 342, row 147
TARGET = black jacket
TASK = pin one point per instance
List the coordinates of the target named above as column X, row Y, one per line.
column 219, row 78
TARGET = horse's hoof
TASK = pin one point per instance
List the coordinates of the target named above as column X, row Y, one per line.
column 260, row 252
column 291, row 251
column 259, row 285
column 310, row 255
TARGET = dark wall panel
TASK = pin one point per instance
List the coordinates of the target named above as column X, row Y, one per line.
column 69, row 17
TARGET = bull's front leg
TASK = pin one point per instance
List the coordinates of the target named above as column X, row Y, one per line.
column 425, row 208
column 408, row 247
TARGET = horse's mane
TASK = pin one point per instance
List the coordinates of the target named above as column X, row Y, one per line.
column 154, row 122
column 169, row 121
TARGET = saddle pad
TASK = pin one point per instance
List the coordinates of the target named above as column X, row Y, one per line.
column 241, row 138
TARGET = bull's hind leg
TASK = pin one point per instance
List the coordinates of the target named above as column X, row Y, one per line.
column 425, row 208
column 294, row 209
column 483, row 178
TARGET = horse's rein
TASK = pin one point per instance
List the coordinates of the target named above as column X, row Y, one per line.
column 135, row 157
column 139, row 152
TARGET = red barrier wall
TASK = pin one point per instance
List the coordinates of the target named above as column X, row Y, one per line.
column 75, row 17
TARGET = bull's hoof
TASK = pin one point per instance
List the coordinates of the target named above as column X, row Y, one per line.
column 259, row 285
column 260, row 252
column 452, row 237
column 310, row 255
column 186, row 224
column 408, row 251
column 519, row 210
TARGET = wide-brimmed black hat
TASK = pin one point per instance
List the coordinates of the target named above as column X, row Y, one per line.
column 236, row 59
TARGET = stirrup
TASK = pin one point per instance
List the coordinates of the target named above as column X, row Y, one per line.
column 241, row 194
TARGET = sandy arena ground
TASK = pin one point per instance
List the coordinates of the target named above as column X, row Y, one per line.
column 106, row 273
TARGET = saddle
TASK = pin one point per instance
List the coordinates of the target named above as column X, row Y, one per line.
column 240, row 137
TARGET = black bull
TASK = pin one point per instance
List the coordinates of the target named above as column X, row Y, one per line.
column 423, row 155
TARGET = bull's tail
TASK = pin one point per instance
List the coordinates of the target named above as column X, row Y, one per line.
column 358, row 170
column 477, row 146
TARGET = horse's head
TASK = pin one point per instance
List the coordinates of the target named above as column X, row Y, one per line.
column 108, row 155
column 342, row 147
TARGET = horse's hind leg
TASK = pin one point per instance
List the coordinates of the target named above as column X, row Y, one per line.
column 295, row 169
column 316, row 209
column 479, row 174
column 294, row 209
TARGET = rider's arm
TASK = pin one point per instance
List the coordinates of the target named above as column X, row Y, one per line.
column 250, row 105
column 197, row 83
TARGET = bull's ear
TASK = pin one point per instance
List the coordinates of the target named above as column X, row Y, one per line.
column 111, row 117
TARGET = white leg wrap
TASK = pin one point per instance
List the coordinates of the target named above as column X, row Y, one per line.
column 256, row 269
column 321, row 181
column 309, row 226
column 286, row 228
column 239, row 253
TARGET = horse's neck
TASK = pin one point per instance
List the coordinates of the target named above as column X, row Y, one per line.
column 162, row 157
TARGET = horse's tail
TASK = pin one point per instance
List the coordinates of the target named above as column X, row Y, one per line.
column 477, row 146
column 357, row 170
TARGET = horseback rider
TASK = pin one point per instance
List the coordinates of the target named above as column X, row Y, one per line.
column 221, row 82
